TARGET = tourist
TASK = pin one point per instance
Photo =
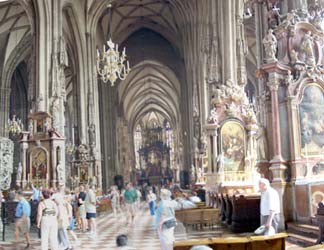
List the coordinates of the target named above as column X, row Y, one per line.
column 70, row 212
column 90, row 206
column 269, row 206
column 130, row 198
column 81, row 209
column 63, row 222
column 193, row 197
column 115, row 200
column 122, row 242
column 139, row 197
column 75, row 204
column 47, row 213
column 165, row 221
column 22, row 214
column 151, row 198
column 37, row 193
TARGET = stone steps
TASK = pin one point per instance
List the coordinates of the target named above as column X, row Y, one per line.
column 302, row 234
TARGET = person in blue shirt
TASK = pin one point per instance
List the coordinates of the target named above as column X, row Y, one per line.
column 37, row 193
column 22, row 214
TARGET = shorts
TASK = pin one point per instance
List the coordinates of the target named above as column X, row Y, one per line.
column 91, row 215
column 82, row 212
column 130, row 207
column 24, row 226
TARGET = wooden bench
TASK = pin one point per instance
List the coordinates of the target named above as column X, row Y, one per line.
column 198, row 216
column 275, row 242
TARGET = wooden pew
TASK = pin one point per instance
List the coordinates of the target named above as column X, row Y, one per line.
column 198, row 216
column 275, row 242
column 245, row 213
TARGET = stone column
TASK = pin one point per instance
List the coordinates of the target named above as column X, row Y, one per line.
column 24, row 159
column 212, row 148
column 277, row 167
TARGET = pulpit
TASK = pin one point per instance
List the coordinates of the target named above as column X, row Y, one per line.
column 42, row 153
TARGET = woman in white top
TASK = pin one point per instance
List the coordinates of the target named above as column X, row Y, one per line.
column 47, row 213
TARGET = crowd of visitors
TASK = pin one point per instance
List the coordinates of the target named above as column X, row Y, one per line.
column 61, row 211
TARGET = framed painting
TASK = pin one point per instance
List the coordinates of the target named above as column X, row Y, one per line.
column 233, row 146
column 311, row 116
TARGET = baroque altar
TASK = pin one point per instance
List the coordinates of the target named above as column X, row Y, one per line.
column 231, row 135
column 42, row 153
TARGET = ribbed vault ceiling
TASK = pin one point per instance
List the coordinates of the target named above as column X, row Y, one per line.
column 130, row 15
column 13, row 22
column 150, row 87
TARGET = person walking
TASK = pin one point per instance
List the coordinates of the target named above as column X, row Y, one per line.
column 165, row 221
column 151, row 198
column 90, row 206
column 130, row 198
column 63, row 222
column 81, row 209
column 269, row 205
column 115, row 200
column 22, row 214
column 47, row 213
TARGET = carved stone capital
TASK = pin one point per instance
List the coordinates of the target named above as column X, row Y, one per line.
column 273, row 84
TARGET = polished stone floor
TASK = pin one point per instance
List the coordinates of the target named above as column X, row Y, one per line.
column 142, row 236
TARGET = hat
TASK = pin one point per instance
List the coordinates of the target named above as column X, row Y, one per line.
column 165, row 194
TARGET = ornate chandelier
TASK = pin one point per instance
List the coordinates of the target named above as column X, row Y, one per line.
column 15, row 126
column 110, row 63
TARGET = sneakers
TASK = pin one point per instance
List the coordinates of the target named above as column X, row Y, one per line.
column 27, row 247
column 93, row 236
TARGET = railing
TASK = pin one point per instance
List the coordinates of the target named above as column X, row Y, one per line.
column 238, row 176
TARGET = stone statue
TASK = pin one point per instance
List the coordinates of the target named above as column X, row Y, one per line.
column 56, row 112
column 220, row 163
column 63, row 54
column 293, row 56
column 307, row 47
column 270, row 46
column 262, row 144
column 31, row 126
column 213, row 117
column 60, row 172
column 19, row 174
column 92, row 135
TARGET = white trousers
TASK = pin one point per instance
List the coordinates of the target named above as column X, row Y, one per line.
column 166, row 238
column 49, row 232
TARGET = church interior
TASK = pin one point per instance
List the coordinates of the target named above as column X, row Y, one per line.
column 197, row 94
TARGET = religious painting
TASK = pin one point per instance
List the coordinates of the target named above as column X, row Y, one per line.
column 38, row 164
column 232, row 147
column 83, row 174
column 311, row 114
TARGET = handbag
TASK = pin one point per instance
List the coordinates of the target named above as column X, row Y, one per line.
column 170, row 223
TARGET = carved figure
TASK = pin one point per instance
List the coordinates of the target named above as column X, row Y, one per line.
column 220, row 163
column 19, row 174
column 60, row 172
column 213, row 117
column 92, row 135
column 293, row 56
column 270, row 46
column 262, row 144
column 56, row 112
column 307, row 48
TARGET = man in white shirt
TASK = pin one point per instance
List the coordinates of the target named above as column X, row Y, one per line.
column 90, row 206
column 270, row 205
